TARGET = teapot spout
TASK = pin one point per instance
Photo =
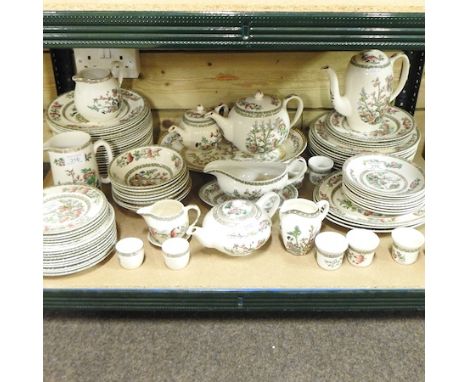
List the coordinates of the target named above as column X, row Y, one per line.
column 224, row 123
column 340, row 103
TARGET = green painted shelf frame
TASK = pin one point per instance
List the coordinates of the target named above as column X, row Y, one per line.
column 244, row 32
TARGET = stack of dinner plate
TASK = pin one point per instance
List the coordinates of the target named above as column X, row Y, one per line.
column 376, row 192
column 79, row 229
column 144, row 175
column 132, row 127
column 331, row 136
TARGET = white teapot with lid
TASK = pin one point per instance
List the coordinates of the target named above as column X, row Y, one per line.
column 238, row 227
column 368, row 88
column 199, row 132
column 259, row 124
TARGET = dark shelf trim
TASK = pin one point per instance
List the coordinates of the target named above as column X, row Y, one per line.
column 233, row 30
column 251, row 300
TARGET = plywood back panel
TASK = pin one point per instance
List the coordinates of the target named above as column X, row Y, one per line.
column 181, row 80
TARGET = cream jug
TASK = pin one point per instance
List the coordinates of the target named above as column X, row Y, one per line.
column 73, row 158
column 300, row 222
column 97, row 94
column 197, row 131
column 259, row 124
column 368, row 88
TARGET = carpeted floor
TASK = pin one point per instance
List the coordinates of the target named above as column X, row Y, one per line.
column 223, row 347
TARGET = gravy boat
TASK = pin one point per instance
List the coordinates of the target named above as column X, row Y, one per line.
column 250, row 179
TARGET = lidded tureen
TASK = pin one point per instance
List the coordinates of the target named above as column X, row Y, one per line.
column 238, row 227
column 258, row 124
column 198, row 131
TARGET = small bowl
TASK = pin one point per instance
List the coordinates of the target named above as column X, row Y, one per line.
column 362, row 246
column 130, row 252
column 406, row 245
column 330, row 247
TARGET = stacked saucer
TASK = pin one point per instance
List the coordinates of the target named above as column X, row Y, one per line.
column 331, row 136
column 132, row 127
column 79, row 229
column 144, row 175
column 384, row 184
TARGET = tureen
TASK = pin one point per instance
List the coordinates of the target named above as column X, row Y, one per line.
column 238, row 227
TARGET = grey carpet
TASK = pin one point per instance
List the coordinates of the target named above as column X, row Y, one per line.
column 171, row 347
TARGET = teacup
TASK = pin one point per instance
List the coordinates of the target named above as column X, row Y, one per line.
column 130, row 252
column 362, row 246
column 319, row 168
column 406, row 245
column 331, row 247
column 176, row 253
column 168, row 219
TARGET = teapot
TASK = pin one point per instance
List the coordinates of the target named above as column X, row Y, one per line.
column 197, row 131
column 258, row 124
column 238, row 227
column 368, row 84
column 250, row 179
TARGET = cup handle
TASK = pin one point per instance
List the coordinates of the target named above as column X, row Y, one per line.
column 300, row 107
column 110, row 157
column 225, row 109
column 197, row 210
column 292, row 169
column 404, row 73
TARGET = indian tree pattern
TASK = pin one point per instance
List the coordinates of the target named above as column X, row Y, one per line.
column 148, row 177
column 373, row 106
column 61, row 161
column 245, row 249
column 372, row 59
column 135, row 155
column 247, row 194
column 249, row 105
column 398, row 255
column 194, row 114
column 376, row 163
column 297, row 243
column 207, row 143
column 69, row 209
column 266, row 136
column 236, row 208
column 54, row 111
column 86, row 175
column 108, row 103
column 415, row 183
column 161, row 236
column 384, row 181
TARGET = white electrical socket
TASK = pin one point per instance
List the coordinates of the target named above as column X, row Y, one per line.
column 103, row 58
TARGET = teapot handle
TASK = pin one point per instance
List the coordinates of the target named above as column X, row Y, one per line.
column 269, row 203
column 225, row 108
column 300, row 107
column 404, row 73
column 297, row 168
column 110, row 157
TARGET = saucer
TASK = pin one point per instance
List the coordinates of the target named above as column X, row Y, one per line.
column 212, row 194
column 196, row 160
column 150, row 239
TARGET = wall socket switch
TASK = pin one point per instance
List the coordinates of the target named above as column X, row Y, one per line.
column 103, row 58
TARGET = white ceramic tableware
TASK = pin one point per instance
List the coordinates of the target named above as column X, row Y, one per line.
column 362, row 246
column 198, row 131
column 259, row 124
column 130, row 252
column 73, row 158
column 407, row 243
column 176, row 252
column 168, row 219
column 238, row 227
column 319, row 167
column 97, row 94
column 300, row 221
column 250, row 179
column 330, row 248
column 368, row 88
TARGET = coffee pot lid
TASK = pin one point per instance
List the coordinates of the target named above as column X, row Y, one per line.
column 373, row 58
column 259, row 103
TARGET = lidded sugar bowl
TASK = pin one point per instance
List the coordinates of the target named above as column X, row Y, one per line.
column 198, row 131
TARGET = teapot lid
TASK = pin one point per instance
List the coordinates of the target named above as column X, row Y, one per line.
column 197, row 116
column 370, row 59
column 243, row 217
column 258, row 103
